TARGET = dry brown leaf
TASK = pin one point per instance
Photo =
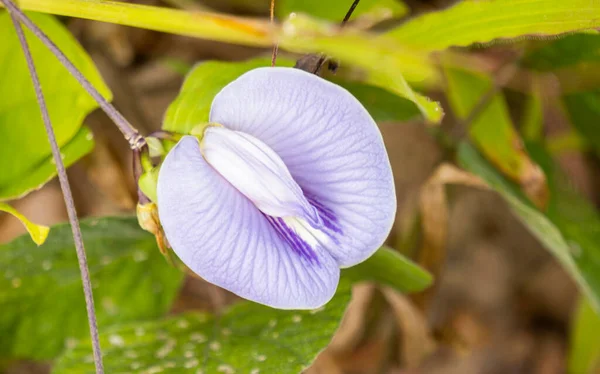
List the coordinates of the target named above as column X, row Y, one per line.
column 416, row 341
column 434, row 219
column 353, row 324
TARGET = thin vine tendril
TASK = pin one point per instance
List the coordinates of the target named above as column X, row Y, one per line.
column 68, row 196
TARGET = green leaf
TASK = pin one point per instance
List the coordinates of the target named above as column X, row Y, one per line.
column 192, row 105
column 385, row 63
column 584, row 111
column 492, row 130
column 380, row 103
column 584, row 351
column 571, row 228
column 335, row 10
column 569, row 50
column 390, row 268
column 38, row 233
column 248, row 338
column 483, row 21
column 41, row 296
column 25, row 149
column 81, row 144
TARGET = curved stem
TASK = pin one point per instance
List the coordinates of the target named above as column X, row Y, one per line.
column 68, row 196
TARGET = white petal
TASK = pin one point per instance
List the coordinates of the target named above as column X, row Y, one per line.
column 258, row 173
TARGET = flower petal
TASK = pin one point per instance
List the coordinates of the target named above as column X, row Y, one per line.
column 220, row 235
column 330, row 144
column 257, row 172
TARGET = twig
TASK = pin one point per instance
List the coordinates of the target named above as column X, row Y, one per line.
column 276, row 45
column 131, row 135
column 350, row 11
column 342, row 24
column 68, row 197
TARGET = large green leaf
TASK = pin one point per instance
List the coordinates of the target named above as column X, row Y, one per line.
column 584, row 350
column 483, row 21
column 192, row 105
column 41, row 296
column 25, row 150
column 248, row 338
column 493, row 131
column 570, row 229
column 334, row 10
column 80, row 145
column 584, row 111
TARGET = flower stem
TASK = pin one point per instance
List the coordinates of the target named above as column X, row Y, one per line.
column 68, row 196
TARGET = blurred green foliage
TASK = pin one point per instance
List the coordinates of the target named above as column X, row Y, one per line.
column 584, row 355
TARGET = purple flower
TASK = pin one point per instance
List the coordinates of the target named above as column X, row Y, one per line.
column 293, row 184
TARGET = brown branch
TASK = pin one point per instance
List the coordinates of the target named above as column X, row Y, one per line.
column 68, row 197
column 276, row 45
column 342, row 24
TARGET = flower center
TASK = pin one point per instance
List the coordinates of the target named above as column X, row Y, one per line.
column 257, row 172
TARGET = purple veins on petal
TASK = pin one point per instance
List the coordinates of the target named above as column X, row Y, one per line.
column 297, row 244
column 330, row 144
column 221, row 236
column 329, row 219
column 294, row 185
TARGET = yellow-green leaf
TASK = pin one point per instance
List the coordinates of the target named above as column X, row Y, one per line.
column 334, row 10
column 482, row 21
column 38, row 233
column 25, row 155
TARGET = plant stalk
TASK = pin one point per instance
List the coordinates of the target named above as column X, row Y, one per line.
column 68, row 197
